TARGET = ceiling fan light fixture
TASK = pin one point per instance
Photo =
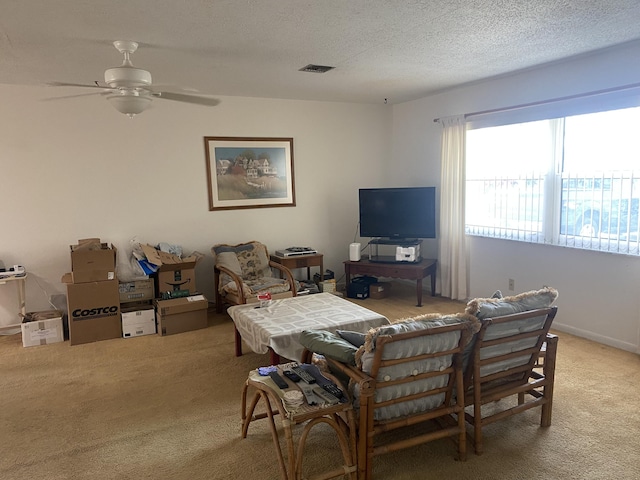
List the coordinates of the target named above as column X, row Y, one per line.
column 127, row 77
column 129, row 103
column 129, row 89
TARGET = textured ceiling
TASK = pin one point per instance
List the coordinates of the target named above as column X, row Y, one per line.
column 399, row 50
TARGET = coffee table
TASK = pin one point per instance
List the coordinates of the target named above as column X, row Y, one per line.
column 277, row 328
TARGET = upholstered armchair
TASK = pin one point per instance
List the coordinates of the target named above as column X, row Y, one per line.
column 243, row 271
column 506, row 359
column 403, row 374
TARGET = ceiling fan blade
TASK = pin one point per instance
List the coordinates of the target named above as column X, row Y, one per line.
column 64, row 97
column 64, row 84
column 181, row 97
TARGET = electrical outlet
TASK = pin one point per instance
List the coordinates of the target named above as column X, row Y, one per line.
column 512, row 284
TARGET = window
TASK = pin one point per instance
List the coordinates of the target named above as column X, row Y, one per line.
column 571, row 181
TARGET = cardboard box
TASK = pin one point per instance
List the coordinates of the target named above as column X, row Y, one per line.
column 173, row 273
column 158, row 257
column 179, row 315
column 172, row 277
column 137, row 290
column 379, row 290
column 138, row 321
column 42, row 332
column 359, row 287
column 92, row 261
column 94, row 311
column 357, row 290
column 328, row 286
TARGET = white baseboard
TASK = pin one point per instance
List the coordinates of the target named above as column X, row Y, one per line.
column 612, row 342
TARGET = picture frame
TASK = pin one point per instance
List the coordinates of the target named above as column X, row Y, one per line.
column 249, row 172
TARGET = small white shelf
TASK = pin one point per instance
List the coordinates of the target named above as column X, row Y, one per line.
column 21, row 283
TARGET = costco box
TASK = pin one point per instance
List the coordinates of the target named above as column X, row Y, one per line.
column 42, row 332
column 179, row 315
column 92, row 261
column 379, row 290
column 94, row 311
column 138, row 321
column 137, row 290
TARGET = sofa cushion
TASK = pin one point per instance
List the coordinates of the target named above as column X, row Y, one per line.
column 229, row 260
column 328, row 344
column 409, row 407
column 498, row 306
column 410, row 347
column 414, row 346
column 354, row 338
column 495, row 307
column 251, row 288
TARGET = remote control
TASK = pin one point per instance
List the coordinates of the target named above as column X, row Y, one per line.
column 279, row 381
column 303, row 374
column 307, row 391
column 294, row 377
column 325, row 396
column 333, row 389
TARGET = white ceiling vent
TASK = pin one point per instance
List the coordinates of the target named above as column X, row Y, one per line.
column 316, row 68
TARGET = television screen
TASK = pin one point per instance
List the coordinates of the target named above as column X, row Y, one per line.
column 398, row 212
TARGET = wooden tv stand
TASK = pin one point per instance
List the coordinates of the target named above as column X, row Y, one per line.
column 405, row 270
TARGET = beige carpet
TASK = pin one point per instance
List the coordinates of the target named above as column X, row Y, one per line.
column 169, row 408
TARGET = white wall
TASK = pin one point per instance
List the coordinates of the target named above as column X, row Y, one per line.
column 76, row 168
column 597, row 292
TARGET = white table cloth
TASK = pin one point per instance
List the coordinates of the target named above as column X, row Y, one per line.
column 279, row 325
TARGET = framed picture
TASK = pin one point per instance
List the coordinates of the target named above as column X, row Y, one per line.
column 249, row 172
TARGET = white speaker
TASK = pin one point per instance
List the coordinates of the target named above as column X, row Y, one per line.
column 354, row 252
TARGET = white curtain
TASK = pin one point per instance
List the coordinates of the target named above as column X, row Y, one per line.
column 454, row 254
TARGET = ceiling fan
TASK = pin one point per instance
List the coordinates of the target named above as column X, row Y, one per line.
column 129, row 89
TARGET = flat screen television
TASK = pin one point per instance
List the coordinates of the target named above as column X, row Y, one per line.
column 398, row 213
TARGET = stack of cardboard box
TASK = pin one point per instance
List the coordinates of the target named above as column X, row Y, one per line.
column 102, row 308
column 93, row 301
column 179, row 307
column 136, row 304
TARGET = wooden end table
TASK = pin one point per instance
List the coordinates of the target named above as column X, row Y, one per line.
column 405, row 270
column 334, row 416
column 301, row 261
